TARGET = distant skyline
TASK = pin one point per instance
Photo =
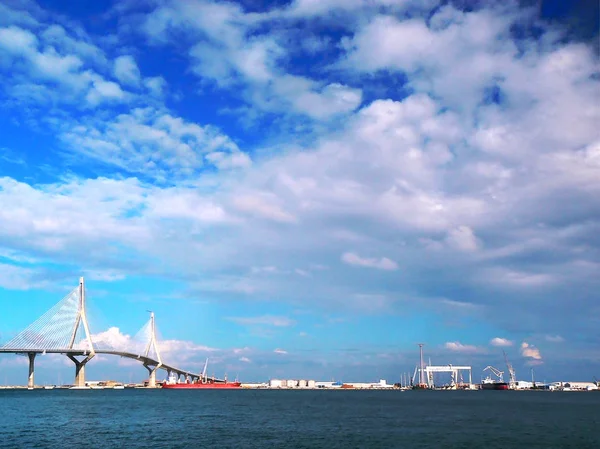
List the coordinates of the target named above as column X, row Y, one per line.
column 305, row 189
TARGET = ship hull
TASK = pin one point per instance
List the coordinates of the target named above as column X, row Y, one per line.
column 206, row 386
column 494, row 386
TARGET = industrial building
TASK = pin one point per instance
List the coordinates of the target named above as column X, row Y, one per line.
column 573, row 386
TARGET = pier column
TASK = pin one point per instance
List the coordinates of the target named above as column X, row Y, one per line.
column 31, row 380
column 151, row 375
column 79, row 370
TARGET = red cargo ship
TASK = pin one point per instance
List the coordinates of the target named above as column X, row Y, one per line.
column 202, row 383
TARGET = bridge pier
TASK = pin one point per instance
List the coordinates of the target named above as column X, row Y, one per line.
column 79, row 370
column 31, row 380
column 152, row 374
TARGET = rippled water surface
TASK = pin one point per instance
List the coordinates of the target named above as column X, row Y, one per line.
column 298, row 419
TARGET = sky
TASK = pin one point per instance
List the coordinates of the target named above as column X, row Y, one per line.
column 305, row 189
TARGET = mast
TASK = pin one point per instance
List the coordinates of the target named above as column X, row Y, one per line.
column 421, row 365
column 204, row 371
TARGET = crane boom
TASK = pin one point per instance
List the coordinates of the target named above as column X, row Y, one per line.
column 496, row 372
column 511, row 373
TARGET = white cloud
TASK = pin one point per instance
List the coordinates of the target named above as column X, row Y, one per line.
column 126, row 70
column 501, row 342
column 457, row 346
column 280, row 351
column 227, row 161
column 104, row 275
column 245, row 360
column 58, row 37
column 332, row 99
column 382, row 264
column 229, row 55
column 554, row 338
column 104, row 91
column 113, row 339
column 512, row 278
column 56, row 66
column 152, row 142
column 16, row 40
column 531, row 352
column 267, row 320
column 462, row 238
column 310, row 8
column 264, row 206
column 14, row 277
column 266, row 269
column 156, row 85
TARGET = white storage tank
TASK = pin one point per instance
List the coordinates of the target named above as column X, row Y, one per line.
column 275, row 383
column 311, row 384
column 302, row 384
column 292, row 383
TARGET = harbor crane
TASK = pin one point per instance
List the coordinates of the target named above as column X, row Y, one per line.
column 511, row 373
column 499, row 374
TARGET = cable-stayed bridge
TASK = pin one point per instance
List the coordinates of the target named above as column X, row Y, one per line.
column 64, row 329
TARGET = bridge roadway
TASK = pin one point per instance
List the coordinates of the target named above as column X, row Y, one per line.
column 150, row 364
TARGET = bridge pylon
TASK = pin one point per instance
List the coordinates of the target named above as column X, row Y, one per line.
column 81, row 321
column 152, row 344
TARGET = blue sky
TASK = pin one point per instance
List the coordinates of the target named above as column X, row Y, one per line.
column 305, row 188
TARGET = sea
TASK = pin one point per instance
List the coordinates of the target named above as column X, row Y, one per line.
column 142, row 418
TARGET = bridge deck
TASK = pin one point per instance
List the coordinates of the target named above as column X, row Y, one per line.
column 81, row 352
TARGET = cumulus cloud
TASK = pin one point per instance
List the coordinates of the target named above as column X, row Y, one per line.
column 280, row 351
column 382, row 264
column 531, row 353
column 126, row 70
column 500, row 342
column 457, row 346
column 112, row 338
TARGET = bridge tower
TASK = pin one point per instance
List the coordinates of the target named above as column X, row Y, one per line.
column 61, row 330
column 81, row 320
column 152, row 368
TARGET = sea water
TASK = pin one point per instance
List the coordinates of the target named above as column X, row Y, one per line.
column 298, row 419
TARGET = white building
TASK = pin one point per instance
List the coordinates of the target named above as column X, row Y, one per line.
column 573, row 386
column 276, row 383
column 523, row 385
